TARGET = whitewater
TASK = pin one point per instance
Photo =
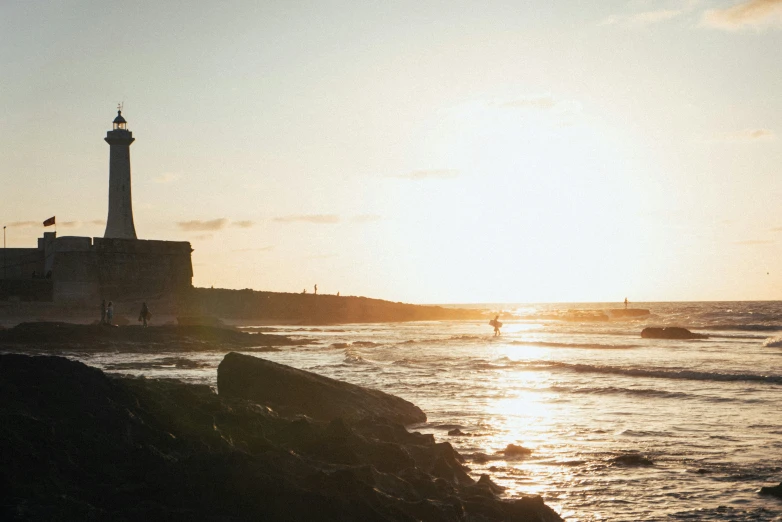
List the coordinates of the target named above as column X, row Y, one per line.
column 620, row 428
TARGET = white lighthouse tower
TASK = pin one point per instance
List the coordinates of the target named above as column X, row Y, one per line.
column 119, row 224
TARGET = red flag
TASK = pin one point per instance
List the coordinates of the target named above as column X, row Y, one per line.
column 49, row 222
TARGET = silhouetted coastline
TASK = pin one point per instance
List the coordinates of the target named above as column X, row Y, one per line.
column 316, row 308
column 212, row 305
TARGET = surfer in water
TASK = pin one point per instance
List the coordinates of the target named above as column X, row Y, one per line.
column 496, row 324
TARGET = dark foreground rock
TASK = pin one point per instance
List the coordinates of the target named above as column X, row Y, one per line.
column 80, row 445
column 774, row 491
column 671, row 332
column 512, row 450
column 296, row 392
column 625, row 313
column 632, row 459
column 101, row 337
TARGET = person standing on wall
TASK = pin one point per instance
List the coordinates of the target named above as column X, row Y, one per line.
column 110, row 313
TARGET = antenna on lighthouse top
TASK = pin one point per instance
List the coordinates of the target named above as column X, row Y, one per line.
column 119, row 121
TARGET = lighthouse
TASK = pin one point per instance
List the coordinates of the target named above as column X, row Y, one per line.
column 119, row 224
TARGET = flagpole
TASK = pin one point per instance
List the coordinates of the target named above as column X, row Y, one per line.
column 3, row 252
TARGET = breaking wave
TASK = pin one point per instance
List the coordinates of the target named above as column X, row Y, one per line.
column 656, row 373
column 659, row 373
column 773, row 342
column 597, row 346
column 612, row 390
column 742, row 327
column 181, row 363
column 353, row 357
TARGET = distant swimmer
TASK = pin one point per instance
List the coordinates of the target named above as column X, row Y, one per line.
column 496, row 324
column 626, row 303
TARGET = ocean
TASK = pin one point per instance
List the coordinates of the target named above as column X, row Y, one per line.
column 620, row 428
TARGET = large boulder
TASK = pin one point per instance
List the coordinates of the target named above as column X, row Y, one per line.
column 291, row 392
column 671, row 332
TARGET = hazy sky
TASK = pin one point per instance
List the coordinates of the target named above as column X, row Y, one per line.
column 418, row 151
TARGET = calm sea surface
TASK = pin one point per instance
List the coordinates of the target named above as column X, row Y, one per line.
column 579, row 394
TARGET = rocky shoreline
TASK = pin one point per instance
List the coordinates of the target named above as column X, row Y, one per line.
column 670, row 332
column 82, row 445
column 52, row 336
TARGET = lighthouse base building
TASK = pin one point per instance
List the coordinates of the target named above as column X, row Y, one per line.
column 83, row 271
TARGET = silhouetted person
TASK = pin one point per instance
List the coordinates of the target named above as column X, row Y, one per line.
column 316, row 289
column 496, row 324
column 110, row 313
column 337, row 294
column 49, row 274
column 144, row 314
column 34, row 274
column 103, row 312
column 304, row 291
column 626, row 302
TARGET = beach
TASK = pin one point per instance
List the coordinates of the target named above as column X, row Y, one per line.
column 618, row 427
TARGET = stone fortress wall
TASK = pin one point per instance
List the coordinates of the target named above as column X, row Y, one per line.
column 84, row 270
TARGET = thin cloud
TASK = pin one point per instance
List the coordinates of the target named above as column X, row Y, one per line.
column 243, row 224
column 259, row 249
column 365, row 218
column 167, row 177
column 62, row 224
column 754, row 14
column 752, row 242
column 642, row 19
column 429, row 174
column 320, row 219
column 653, row 17
column 748, row 135
column 204, row 236
column 196, row 225
column 69, row 224
column 776, row 229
